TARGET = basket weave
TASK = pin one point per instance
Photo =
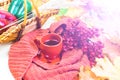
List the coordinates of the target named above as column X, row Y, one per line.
column 5, row 3
column 14, row 28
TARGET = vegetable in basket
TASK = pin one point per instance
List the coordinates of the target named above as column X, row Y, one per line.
column 6, row 15
column 5, row 19
column 16, row 7
column 3, row 22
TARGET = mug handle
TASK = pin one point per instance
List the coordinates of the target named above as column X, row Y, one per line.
column 60, row 29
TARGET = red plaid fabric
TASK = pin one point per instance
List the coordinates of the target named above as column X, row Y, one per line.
column 24, row 63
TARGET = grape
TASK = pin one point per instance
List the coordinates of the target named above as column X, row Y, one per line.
column 79, row 36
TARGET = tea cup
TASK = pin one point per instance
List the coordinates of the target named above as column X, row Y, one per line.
column 51, row 46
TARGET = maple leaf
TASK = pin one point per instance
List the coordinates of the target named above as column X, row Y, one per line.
column 108, row 68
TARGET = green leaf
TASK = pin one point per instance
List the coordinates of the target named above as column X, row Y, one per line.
column 62, row 12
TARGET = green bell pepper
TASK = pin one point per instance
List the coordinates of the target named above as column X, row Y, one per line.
column 16, row 7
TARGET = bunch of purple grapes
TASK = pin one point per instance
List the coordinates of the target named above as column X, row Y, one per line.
column 79, row 36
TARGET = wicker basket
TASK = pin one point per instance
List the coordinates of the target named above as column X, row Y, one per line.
column 15, row 28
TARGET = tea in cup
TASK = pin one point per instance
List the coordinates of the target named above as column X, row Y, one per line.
column 51, row 46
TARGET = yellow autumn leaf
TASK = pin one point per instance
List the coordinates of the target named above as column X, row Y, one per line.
column 75, row 12
column 105, row 67
column 86, row 74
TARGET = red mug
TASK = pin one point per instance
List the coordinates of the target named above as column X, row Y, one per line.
column 51, row 46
